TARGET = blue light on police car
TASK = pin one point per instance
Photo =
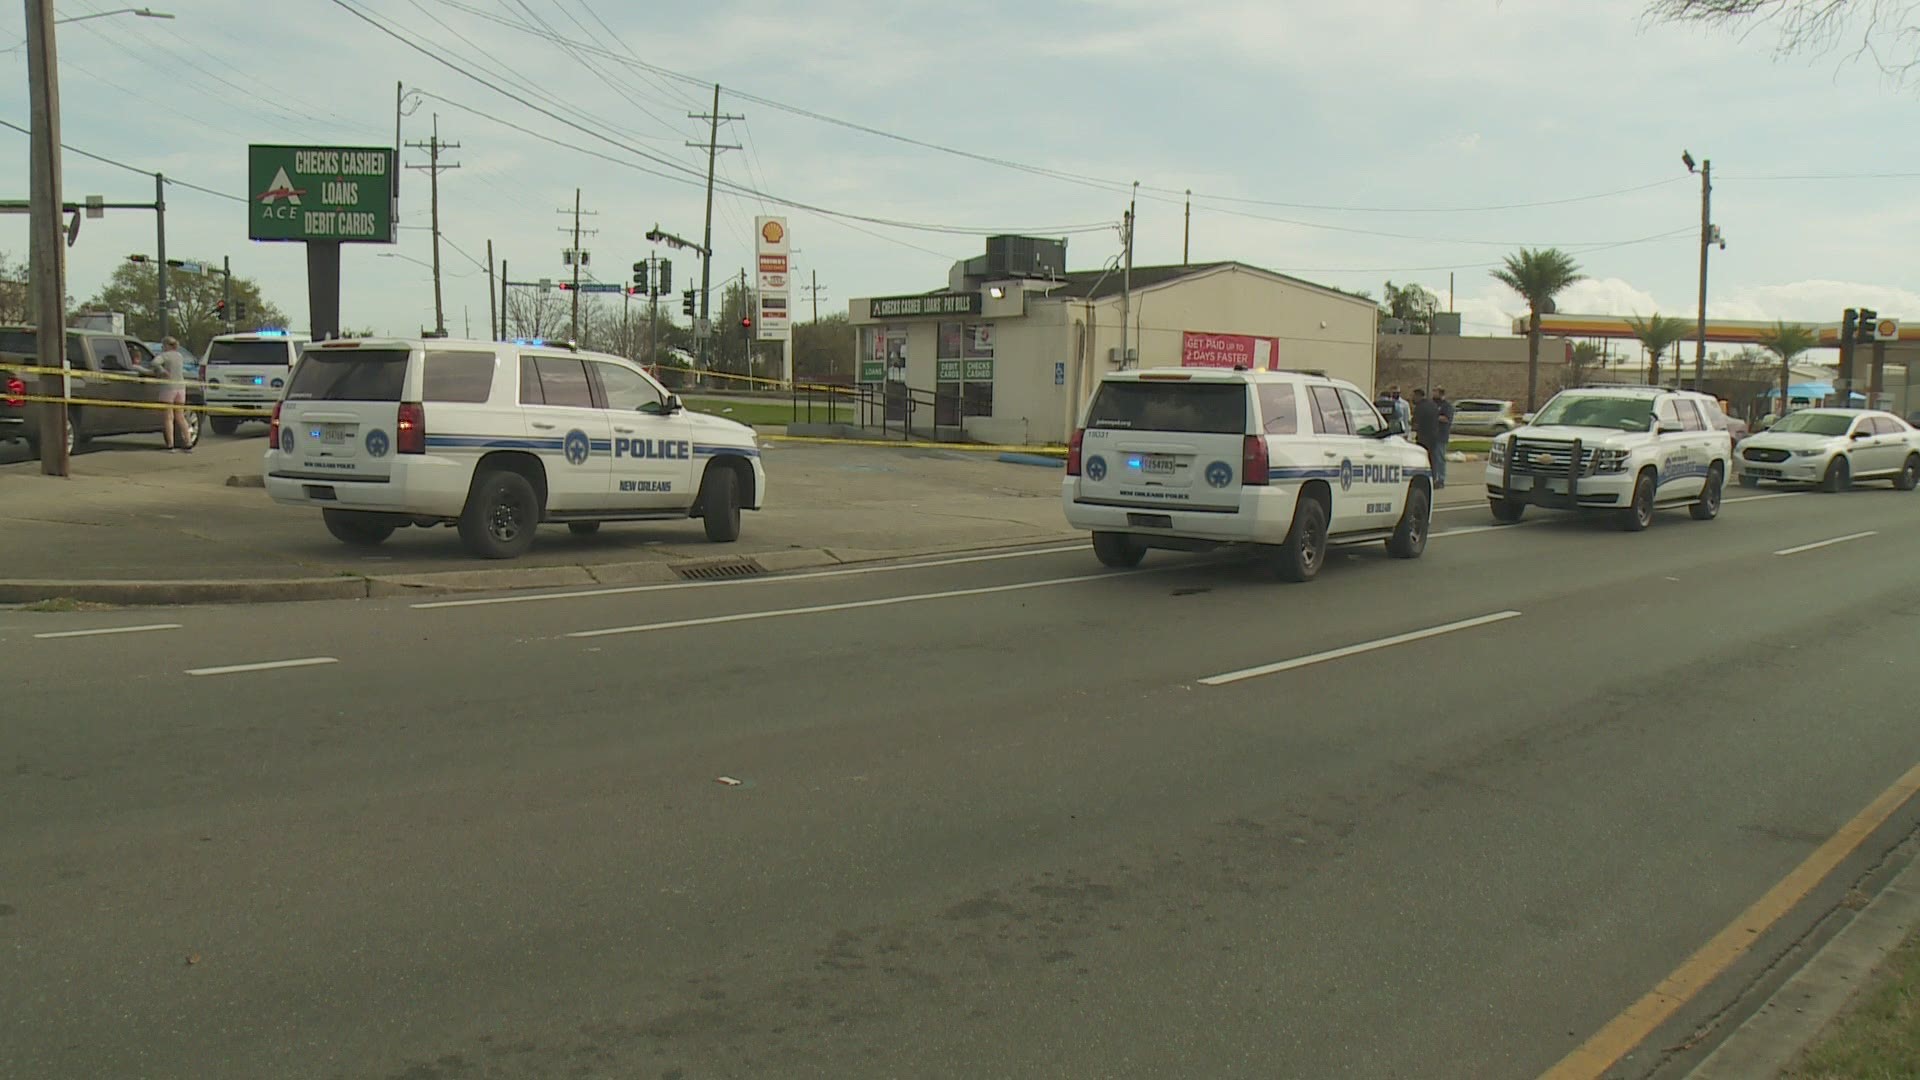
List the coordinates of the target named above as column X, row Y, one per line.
column 1133, row 463
column 270, row 333
column 530, row 341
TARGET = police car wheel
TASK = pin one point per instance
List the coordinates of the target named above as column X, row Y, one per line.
column 1707, row 506
column 720, row 504
column 583, row 528
column 1909, row 477
column 1118, row 550
column 1305, row 549
column 1506, row 511
column 1409, row 539
column 357, row 528
column 224, row 425
column 1839, row 476
column 1639, row 512
column 500, row 516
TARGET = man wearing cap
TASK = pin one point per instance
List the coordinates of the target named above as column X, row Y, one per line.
column 173, row 394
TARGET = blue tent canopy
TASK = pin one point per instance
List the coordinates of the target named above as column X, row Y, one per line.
column 1811, row 391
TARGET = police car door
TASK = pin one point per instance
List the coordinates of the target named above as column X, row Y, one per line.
column 652, row 452
column 569, row 431
column 1685, row 456
column 1344, row 459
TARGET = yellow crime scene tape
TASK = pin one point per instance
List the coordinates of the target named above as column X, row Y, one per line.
column 112, row 376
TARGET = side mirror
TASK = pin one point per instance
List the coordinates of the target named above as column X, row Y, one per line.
column 1526, row 418
column 1668, row 427
column 1394, row 427
column 672, row 405
column 1863, row 434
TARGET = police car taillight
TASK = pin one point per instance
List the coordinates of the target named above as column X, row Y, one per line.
column 273, row 427
column 1073, row 452
column 412, row 429
column 1253, row 460
column 16, row 391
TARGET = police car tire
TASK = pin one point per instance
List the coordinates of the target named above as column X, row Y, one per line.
column 1304, row 551
column 357, row 528
column 1638, row 513
column 225, row 425
column 1909, row 477
column 583, row 528
column 1118, row 550
column 1707, row 506
column 1839, row 476
column 495, row 492
column 1506, row 511
column 720, row 504
column 1409, row 539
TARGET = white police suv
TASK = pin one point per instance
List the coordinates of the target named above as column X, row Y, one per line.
column 497, row 438
column 247, row 373
column 1190, row 458
column 1628, row 450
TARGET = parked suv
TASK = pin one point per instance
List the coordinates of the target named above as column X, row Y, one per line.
column 247, row 373
column 112, row 385
column 496, row 438
column 1189, row 458
column 1625, row 449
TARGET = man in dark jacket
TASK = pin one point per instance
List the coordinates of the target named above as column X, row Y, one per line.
column 1426, row 428
column 1446, row 434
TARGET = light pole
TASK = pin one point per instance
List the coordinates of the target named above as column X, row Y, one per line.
column 145, row 13
column 1709, row 235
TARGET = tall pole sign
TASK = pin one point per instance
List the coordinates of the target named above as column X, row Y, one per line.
column 322, row 196
column 773, row 321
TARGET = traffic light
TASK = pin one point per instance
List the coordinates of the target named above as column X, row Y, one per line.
column 1863, row 331
column 686, row 302
column 220, row 308
column 240, row 309
column 639, row 277
column 1848, row 326
column 746, row 327
column 566, row 286
column 665, row 284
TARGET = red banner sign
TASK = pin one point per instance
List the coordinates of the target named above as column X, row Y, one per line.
column 1199, row 349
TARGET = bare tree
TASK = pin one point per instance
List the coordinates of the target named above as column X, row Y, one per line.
column 536, row 313
column 14, row 304
column 1887, row 31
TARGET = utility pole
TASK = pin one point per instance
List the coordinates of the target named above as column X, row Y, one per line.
column 577, row 257
column 713, row 119
column 46, row 261
column 1126, row 279
column 503, row 299
column 433, row 146
column 160, row 243
column 493, row 312
column 1708, row 237
column 814, row 290
column 226, row 290
column 1186, row 228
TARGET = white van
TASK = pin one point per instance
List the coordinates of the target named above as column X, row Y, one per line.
column 247, row 373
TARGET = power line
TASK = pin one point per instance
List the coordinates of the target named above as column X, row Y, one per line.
column 149, row 173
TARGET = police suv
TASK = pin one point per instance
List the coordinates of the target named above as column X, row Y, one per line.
column 1628, row 450
column 496, row 438
column 1190, row 458
column 247, row 373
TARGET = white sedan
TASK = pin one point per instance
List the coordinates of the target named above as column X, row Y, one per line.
column 1833, row 448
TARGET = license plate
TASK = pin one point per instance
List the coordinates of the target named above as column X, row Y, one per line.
column 333, row 434
column 1157, row 464
column 1770, row 473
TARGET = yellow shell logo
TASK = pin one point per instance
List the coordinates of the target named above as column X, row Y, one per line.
column 1888, row 328
column 771, row 232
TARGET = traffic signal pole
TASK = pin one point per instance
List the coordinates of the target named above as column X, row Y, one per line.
column 46, row 260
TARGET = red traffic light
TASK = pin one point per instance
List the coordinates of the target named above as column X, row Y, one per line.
column 746, row 322
column 566, row 286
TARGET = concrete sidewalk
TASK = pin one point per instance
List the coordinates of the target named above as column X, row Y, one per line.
column 137, row 525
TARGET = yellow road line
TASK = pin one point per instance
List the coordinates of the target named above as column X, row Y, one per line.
column 1631, row 1028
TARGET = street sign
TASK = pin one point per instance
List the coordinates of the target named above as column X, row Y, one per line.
column 601, row 286
column 96, row 206
column 702, row 328
column 328, row 193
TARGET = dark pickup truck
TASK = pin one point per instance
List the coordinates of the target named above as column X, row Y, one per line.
column 91, row 354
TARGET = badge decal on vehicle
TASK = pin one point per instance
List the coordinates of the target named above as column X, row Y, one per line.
column 1219, row 474
column 377, row 443
column 286, row 440
column 1346, row 474
column 1096, row 468
column 577, row 447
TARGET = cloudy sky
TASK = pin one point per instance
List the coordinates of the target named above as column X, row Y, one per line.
column 1348, row 143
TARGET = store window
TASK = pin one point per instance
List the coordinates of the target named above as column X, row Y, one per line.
column 976, row 370
column 946, row 379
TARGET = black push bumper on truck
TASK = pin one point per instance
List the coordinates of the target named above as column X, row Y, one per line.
column 1545, row 477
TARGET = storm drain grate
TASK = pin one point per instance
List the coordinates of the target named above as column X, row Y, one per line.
column 715, row 571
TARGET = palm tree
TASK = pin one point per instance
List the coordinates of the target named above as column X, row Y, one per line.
column 1656, row 332
column 1538, row 275
column 1786, row 341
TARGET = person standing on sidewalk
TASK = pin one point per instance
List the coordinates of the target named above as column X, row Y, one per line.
column 1445, row 432
column 1426, row 427
column 1400, row 410
column 173, row 395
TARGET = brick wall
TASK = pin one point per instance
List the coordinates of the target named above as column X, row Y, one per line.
column 1471, row 367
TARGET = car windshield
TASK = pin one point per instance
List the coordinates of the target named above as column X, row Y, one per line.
column 273, row 353
column 24, row 342
column 1813, row 423
column 1218, row 408
column 1610, row 411
column 350, row 375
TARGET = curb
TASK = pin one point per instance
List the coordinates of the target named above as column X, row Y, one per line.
column 149, row 593
column 1807, row 1003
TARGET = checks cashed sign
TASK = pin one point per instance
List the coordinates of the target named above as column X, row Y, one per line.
column 1199, row 349
column 342, row 193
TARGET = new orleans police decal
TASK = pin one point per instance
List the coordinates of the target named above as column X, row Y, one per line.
column 577, row 447
column 1096, row 468
column 1219, row 474
column 1351, row 474
column 377, row 444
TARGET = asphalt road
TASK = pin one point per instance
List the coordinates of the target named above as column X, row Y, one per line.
column 1008, row 816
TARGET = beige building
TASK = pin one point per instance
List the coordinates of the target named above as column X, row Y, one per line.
column 1478, row 367
column 1010, row 351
